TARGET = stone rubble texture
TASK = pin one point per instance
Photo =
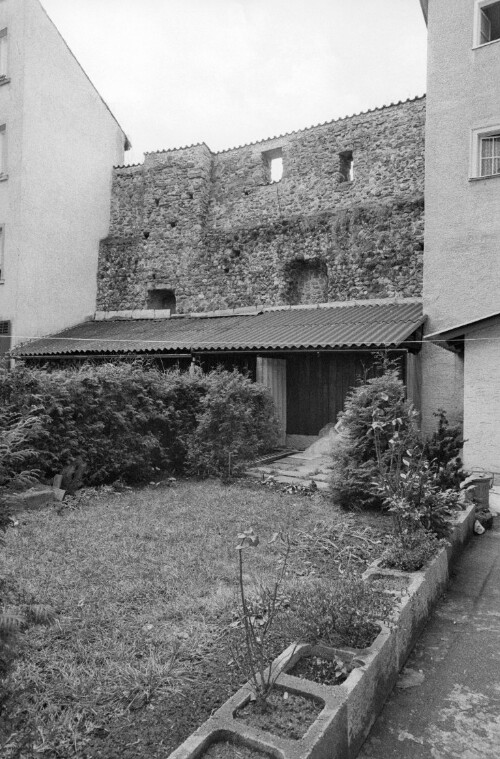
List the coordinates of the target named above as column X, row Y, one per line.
column 213, row 228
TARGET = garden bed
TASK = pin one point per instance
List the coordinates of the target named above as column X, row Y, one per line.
column 143, row 583
column 351, row 707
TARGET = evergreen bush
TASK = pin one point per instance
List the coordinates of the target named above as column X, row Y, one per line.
column 379, row 400
column 130, row 421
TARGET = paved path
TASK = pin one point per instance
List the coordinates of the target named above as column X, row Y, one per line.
column 455, row 712
column 313, row 465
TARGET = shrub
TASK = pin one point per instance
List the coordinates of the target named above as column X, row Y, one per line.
column 14, row 435
column 379, row 403
column 443, row 449
column 345, row 612
column 408, row 484
column 129, row 421
column 235, row 423
column 411, row 552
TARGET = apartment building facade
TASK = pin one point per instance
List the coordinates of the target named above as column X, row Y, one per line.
column 58, row 144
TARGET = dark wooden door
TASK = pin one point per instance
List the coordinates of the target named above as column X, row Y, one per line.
column 317, row 385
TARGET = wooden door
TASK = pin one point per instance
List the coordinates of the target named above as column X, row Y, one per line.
column 272, row 373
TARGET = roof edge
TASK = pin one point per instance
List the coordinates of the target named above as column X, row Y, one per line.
column 425, row 8
column 461, row 329
column 135, row 314
column 375, row 109
column 126, row 142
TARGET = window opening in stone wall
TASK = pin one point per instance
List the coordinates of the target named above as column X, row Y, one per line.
column 3, row 53
column 346, row 166
column 161, row 299
column 273, row 165
column 490, row 155
column 306, row 281
column 487, row 22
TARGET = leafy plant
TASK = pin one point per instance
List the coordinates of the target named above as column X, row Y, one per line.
column 411, row 552
column 443, row 450
column 130, row 421
column 379, row 400
column 14, row 434
column 235, row 423
column 345, row 612
column 255, row 659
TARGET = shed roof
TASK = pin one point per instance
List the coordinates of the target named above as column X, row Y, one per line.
column 336, row 325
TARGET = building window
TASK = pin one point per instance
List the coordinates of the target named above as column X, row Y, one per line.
column 3, row 53
column 161, row 299
column 273, row 165
column 3, row 151
column 2, row 236
column 487, row 22
column 346, row 166
column 490, row 156
column 485, row 154
column 5, row 337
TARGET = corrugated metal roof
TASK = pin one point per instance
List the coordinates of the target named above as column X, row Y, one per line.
column 315, row 328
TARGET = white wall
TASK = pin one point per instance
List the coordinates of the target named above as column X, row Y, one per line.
column 462, row 223
column 11, row 114
column 442, row 386
column 69, row 143
column 482, row 399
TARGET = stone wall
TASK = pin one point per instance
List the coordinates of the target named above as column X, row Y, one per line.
column 214, row 229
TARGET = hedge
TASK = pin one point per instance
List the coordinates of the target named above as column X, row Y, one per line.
column 130, row 421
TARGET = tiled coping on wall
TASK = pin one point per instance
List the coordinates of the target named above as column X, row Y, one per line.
column 351, row 708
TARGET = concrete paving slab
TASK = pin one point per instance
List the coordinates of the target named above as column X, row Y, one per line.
column 455, row 712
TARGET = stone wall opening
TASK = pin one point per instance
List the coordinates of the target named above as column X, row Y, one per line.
column 273, row 165
column 160, row 299
column 307, row 281
column 346, row 166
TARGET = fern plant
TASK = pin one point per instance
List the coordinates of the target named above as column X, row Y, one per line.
column 14, row 452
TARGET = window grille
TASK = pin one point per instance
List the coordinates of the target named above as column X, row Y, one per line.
column 490, row 155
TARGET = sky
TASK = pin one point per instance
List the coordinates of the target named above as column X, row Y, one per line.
column 230, row 72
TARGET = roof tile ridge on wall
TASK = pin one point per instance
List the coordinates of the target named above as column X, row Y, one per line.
column 324, row 123
column 180, row 147
column 279, row 136
column 127, row 165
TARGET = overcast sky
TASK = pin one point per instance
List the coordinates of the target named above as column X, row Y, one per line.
column 228, row 72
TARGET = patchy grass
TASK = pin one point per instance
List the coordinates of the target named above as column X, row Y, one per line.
column 144, row 584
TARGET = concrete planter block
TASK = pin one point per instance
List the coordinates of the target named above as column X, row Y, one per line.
column 368, row 686
column 198, row 743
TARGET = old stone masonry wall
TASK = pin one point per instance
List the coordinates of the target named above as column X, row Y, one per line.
column 199, row 231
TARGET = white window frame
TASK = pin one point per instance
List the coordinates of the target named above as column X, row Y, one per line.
column 3, row 152
column 4, row 53
column 478, row 22
column 2, row 258
column 476, row 153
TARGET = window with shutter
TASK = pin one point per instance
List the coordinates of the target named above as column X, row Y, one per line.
column 487, row 24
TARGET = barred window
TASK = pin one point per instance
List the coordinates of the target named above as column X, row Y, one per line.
column 490, row 155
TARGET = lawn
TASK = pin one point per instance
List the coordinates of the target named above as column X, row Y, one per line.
column 144, row 586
